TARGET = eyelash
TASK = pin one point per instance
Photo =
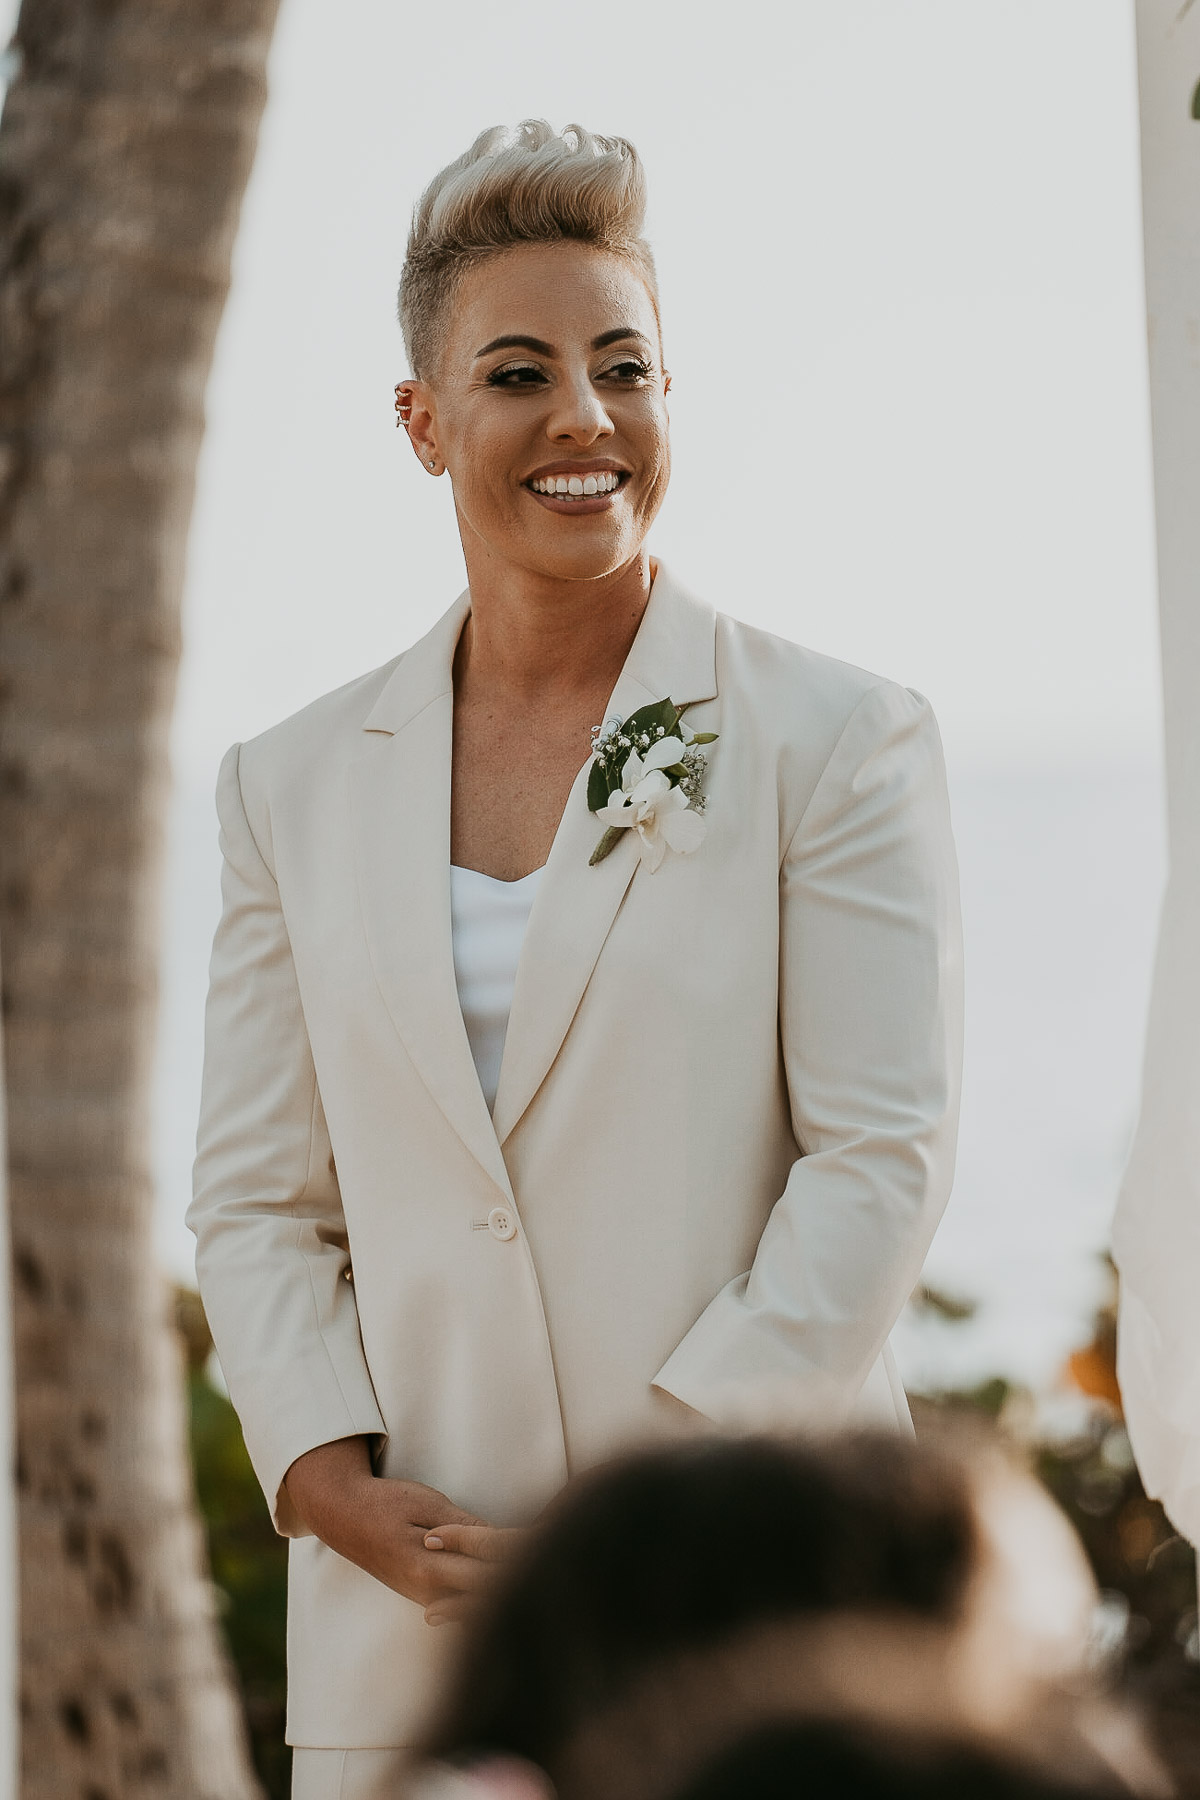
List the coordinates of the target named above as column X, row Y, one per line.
column 498, row 377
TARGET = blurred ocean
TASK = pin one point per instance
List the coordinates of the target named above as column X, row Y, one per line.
column 1062, row 872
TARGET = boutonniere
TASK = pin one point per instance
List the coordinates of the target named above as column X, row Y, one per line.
column 646, row 776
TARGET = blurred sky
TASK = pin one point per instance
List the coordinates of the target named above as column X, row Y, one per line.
column 900, row 262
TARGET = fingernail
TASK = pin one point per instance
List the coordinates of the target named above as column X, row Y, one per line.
column 434, row 1543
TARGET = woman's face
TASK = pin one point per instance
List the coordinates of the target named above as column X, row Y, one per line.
column 551, row 378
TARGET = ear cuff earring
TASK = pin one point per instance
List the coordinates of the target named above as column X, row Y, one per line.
column 404, row 416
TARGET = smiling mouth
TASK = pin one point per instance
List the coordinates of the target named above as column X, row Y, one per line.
column 592, row 486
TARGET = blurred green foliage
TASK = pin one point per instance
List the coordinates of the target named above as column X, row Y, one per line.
column 1147, row 1577
column 1148, row 1636
column 247, row 1559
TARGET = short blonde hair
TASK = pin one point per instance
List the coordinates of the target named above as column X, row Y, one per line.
column 524, row 184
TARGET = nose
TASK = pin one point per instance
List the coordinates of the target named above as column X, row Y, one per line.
column 579, row 415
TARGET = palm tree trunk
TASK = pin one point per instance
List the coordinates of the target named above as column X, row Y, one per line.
column 8, row 1537
column 125, row 146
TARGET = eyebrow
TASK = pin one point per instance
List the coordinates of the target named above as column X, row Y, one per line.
column 517, row 341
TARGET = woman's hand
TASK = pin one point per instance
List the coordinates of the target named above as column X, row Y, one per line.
column 470, row 1554
column 382, row 1526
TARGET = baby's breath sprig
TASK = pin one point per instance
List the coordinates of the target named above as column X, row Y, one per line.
column 694, row 763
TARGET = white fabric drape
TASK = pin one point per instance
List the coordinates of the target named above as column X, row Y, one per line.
column 1157, row 1229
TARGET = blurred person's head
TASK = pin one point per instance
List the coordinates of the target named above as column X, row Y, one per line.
column 823, row 1759
column 672, row 1601
column 805, row 1754
column 860, row 1672
column 675, row 1551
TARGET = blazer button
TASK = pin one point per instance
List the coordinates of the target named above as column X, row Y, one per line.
column 501, row 1224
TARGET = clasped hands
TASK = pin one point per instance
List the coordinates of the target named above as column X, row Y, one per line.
column 407, row 1535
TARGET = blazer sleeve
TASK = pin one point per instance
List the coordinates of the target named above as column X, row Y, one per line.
column 870, row 1020
column 272, row 1257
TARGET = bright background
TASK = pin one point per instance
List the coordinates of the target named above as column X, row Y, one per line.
column 900, row 261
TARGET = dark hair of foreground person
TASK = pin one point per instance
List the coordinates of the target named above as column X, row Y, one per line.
column 828, row 1760
column 673, row 1552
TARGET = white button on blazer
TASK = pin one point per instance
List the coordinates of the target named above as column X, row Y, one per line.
column 723, row 1135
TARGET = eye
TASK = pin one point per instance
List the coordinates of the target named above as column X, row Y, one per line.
column 516, row 375
column 630, row 369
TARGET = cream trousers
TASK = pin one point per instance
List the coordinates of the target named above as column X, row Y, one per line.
column 389, row 1775
column 349, row 1774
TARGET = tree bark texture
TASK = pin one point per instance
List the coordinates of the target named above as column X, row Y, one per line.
column 125, row 146
column 8, row 1535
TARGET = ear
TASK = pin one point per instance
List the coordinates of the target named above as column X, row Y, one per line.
column 666, row 381
column 416, row 411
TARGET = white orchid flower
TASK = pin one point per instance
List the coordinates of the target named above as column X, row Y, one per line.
column 661, row 755
column 649, row 805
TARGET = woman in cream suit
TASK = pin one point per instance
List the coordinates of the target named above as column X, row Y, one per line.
column 702, row 1181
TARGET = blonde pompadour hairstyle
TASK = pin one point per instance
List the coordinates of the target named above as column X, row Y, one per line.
column 523, row 184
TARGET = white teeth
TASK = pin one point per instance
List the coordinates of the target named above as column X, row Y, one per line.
column 574, row 487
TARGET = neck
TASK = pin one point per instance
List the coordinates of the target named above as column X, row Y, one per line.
column 531, row 636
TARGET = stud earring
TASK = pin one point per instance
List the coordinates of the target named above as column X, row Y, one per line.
column 431, row 464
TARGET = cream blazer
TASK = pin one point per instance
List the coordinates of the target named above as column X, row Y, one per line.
column 723, row 1136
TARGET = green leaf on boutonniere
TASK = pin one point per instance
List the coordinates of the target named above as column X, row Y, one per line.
column 598, row 787
column 704, row 737
column 647, row 719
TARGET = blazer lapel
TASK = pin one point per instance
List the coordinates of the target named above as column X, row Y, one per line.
column 575, row 906
column 401, row 816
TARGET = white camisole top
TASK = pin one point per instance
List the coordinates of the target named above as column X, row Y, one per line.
column 487, row 921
